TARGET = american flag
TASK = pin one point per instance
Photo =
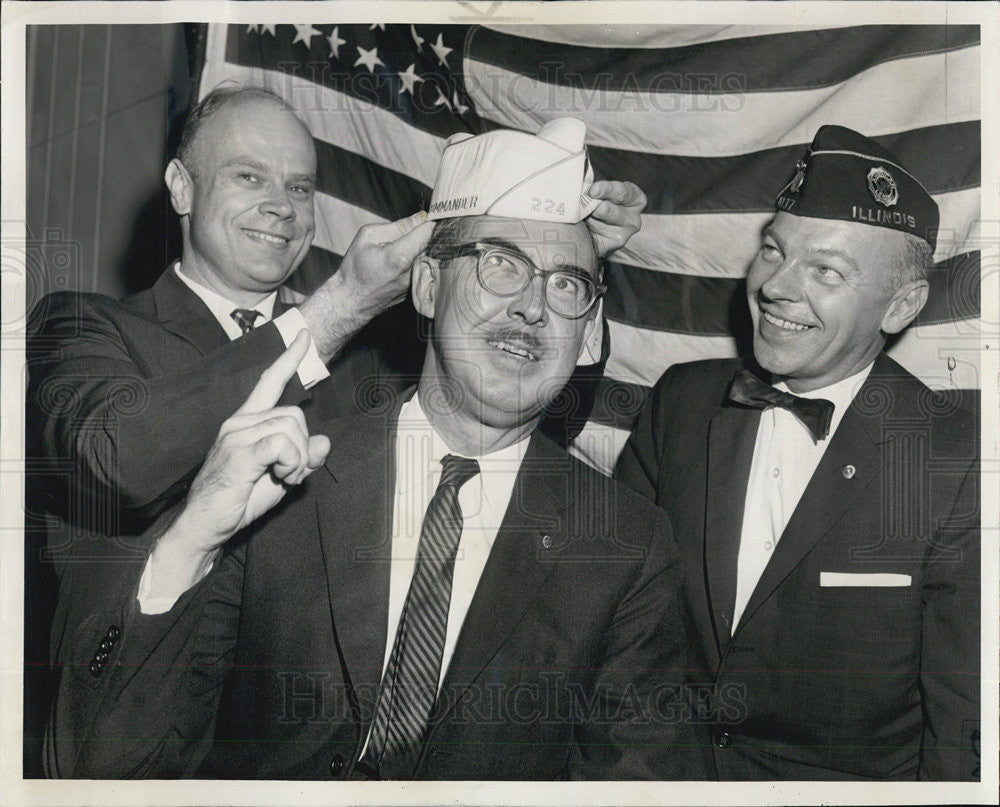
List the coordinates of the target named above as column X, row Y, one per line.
column 707, row 120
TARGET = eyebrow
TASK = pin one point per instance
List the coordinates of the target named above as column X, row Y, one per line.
column 832, row 253
column 835, row 253
column 510, row 246
column 264, row 168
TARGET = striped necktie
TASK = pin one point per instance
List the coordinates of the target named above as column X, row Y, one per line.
column 409, row 687
column 245, row 318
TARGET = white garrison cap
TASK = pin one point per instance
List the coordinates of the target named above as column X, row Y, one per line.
column 543, row 177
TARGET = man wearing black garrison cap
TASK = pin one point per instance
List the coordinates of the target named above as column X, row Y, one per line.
column 825, row 502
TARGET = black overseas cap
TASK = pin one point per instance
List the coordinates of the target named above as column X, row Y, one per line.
column 847, row 176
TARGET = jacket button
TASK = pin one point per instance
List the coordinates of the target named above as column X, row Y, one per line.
column 95, row 669
column 337, row 765
column 722, row 739
column 114, row 633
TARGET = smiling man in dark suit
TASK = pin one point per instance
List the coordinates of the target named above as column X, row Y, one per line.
column 448, row 595
column 828, row 524
column 133, row 392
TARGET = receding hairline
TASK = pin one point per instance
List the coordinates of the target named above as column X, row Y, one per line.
column 227, row 96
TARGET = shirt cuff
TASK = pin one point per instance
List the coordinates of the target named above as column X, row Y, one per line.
column 311, row 369
column 161, row 604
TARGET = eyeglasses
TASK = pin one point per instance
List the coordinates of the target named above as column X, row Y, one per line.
column 506, row 273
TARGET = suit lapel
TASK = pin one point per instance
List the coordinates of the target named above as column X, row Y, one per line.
column 732, row 435
column 849, row 465
column 184, row 314
column 514, row 572
column 354, row 513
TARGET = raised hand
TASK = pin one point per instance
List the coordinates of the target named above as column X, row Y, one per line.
column 617, row 218
column 260, row 452
column 373, row 276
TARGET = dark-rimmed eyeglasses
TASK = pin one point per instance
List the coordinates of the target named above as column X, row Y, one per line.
column 505, row 273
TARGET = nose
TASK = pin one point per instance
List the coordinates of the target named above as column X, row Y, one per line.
column 278, row 204
column 530, row 305
column 783, row 282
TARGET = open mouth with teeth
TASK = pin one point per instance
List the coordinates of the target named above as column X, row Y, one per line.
column 784, row 324
column 267, row 238
column 511, row 349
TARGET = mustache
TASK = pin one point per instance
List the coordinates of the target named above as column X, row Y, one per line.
column 526, row 338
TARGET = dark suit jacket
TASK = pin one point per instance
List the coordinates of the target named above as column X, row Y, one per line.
column 124, row 400
column 828, row 682
column 129, row 395
column 568, row 663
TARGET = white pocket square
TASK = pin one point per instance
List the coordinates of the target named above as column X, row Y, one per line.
column 863, row 579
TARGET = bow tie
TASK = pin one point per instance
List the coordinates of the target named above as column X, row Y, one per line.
column 815, row 413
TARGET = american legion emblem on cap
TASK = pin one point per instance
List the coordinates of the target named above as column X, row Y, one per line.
column 849, row 177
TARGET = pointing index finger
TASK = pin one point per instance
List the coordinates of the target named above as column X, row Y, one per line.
column 273, row 380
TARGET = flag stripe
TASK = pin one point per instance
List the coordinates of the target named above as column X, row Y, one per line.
column 750, row 182
column 666, row 301
column 926, row 91
column 925, row 350
column 633, row 37
column 793, row 60
column 617, row 403
column 640, row 356
column 358, row 181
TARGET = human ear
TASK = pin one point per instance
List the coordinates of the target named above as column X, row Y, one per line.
column 424, row 284
column 180, row 185
column 904, row 306
column 593, row 337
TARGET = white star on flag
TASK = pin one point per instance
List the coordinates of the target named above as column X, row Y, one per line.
column 379, row 25
column 441, row 51
column 268, row 29
column 335, row 42
column 305, row 34
column 369, row 58
column 459, row 106
column 252, row 29
column 409, row 78
column 441, row 100
column 417, row 39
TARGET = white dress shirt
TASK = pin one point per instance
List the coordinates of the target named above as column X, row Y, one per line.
column 483, row 499
column 784, row 459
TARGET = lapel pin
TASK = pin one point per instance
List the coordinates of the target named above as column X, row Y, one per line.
column 547, row 541
column 848, row 471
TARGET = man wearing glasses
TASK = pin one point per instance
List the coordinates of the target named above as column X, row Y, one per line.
column 446, row 594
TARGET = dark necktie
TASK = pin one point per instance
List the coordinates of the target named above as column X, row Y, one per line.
column 409, row 687
column 245, row 318
column 815, row 413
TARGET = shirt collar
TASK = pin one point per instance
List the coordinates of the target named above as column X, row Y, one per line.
column 222, row 308
column 412, row 419
column 840, row 394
